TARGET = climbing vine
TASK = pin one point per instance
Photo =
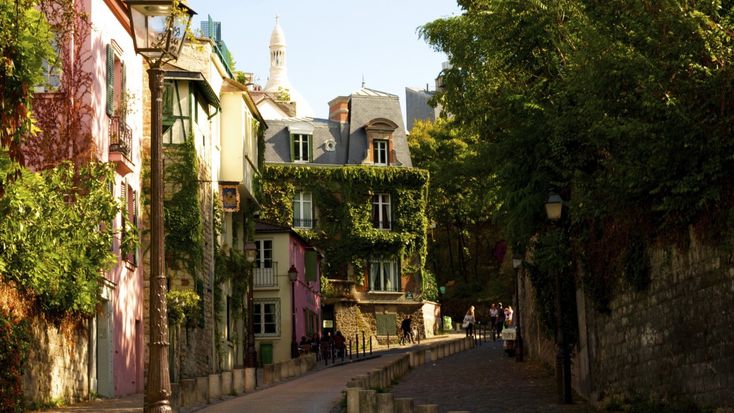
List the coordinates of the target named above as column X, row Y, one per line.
column 53, row 244
column 182, row 208
column 343, row 198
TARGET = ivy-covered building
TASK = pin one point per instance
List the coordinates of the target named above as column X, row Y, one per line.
column 346, row 185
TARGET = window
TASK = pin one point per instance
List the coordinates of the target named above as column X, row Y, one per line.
column 265, row 318
column 264, row 254
column 129, row 222
column 115, row 81
column 311, row 265
column 302, row 210
column 381, row 211
column 51, row 72
column 380, row 152
column 301, row 147
column 384, row 275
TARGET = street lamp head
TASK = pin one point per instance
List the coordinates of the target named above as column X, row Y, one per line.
column 553, row 207
column 292, row 273
column 442, row 289
column 250, row 252
column 516, row 261
column 159, row 28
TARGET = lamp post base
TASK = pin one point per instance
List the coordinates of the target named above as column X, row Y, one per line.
column 563, row 376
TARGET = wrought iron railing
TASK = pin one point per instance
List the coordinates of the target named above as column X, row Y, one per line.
column 265, row 276
column 304, row 223
column 121, row 136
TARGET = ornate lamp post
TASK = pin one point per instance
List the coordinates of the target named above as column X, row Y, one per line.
column 158, row 34
column 516, row 264
column 293, row 275
column 553, row 209
column 250, row 355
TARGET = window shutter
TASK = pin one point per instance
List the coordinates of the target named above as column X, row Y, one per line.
column 110, row 80
column 310, row 147
column 123, row 93
column 311, row 263
column 293, row 147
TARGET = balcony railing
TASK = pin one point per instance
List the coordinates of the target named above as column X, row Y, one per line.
column 121, row 136
column 383, row 224
column 304, row 223
column 264, row 276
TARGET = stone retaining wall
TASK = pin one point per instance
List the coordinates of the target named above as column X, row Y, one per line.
column 673, row 341
column 362, row 396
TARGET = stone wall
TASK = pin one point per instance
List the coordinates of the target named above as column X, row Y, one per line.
column 58, row 362
column 673, row 341
column 354, row 319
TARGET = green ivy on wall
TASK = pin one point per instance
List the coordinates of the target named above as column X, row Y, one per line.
column 343, row 198
column 182, row 208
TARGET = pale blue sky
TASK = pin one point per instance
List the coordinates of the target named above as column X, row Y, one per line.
column 332, row 44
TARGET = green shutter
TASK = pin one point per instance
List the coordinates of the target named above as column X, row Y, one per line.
column 123, row 92
column 293, row 147
column 311, row 264
column 310, row 148
column 110, row 81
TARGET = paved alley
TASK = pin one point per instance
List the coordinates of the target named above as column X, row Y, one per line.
column 485, row 380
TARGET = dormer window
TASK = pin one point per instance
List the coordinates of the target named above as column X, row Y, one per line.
column 301, row 147
column 379, row 140
column 380, row 151
column 301, row 142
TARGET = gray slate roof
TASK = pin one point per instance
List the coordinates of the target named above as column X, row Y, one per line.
column 350, row 138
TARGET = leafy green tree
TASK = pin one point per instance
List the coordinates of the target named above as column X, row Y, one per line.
column 462, row 205
column 623, row 107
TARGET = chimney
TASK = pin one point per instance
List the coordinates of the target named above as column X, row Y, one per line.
column 339, row 109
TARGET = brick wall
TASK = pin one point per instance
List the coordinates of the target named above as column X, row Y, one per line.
column 675, row 340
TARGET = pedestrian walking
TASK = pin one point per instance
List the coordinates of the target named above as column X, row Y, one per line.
column 493, row 313
column 469, row 321
column 407, row 330
column 508, row 316
column 339, row 344
column 500, row 319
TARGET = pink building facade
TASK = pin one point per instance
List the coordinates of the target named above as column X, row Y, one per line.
column 90, row 109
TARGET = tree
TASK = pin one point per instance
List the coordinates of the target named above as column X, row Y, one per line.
column 463, row 204
column 623, row 107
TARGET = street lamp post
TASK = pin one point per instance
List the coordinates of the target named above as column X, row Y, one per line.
column 516, row 264
column 158, row 29
column 553, row 209
column 293, row 275
column 250, row 355
column 442, row 291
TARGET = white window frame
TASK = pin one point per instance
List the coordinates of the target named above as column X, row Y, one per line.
column 379, row 201
column 301, row 205
column 380, row 152
column 384, row 275
column 301, row 144
column 260, row 324
column 261, row 260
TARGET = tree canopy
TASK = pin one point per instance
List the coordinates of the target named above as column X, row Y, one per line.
column 624, row 107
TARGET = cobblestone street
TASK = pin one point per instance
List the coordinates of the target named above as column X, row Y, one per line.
column 484, row 379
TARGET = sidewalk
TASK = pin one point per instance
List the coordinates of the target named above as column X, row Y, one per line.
column 128, row 404
column 484, row 379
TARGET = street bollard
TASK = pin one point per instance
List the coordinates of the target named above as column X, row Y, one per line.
column 370, row 345
column 353, row 399
column 403, row 405
column 385, row 403
column 364, row 347
column 356, row 345
column 350, row 349
column 367, row 401
column 388, row 341
column 426, row 408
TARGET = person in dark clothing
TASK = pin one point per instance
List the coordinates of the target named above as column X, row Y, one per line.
column 339, row 344
column 407, row 331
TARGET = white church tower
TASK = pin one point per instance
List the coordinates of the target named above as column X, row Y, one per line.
column 278, row 79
